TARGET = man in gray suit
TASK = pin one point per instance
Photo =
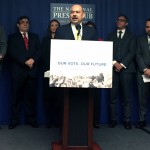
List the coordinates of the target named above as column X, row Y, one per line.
column 143, row 62
column 123, row 69
column 3, row 46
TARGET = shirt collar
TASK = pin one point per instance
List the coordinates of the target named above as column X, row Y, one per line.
column 24, row 32
column 148, row 36
column 123, row 31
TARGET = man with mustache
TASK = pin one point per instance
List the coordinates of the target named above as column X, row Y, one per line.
column 68, row 32
column 143, row 63
column 76, row 18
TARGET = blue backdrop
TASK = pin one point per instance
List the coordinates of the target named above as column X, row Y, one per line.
column 39, row 14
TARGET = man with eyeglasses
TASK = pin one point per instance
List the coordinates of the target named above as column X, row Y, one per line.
column 143, row 63
column 24, row 52
column 123, row 69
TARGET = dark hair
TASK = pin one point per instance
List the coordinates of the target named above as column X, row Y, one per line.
column 54, row 20
column 148, row 19
column 91, row 23
column 22, row 17
column 126, row 18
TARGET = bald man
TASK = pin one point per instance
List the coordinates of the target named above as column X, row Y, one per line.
column 68, row 32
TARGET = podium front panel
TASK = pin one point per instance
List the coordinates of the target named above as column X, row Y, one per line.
column 78, row 117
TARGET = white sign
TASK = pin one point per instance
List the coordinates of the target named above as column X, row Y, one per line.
column 81, row 64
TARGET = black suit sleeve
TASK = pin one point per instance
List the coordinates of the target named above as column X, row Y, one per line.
column 46, row 53
column 13, row 51
column 131, row 51
column 36, row 49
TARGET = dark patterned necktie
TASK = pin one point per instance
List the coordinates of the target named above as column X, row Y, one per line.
column 25, row 40
column 120, row 32
column 149, row 42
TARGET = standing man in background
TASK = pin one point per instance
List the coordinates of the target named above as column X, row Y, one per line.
column 123, row 69
column 143, row 63
column 24, row 52
column 3, row 47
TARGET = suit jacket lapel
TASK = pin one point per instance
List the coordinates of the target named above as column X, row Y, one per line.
column 84, row 32
column 20, row 38
column 145, row 42
column 70, row 32
column 125, row 36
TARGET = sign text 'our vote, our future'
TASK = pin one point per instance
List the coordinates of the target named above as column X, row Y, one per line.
column 82, row 63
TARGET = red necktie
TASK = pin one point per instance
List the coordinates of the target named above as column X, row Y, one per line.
column 25, row 40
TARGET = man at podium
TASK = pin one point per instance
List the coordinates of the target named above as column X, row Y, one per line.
column 76, row 30
column 78, row 97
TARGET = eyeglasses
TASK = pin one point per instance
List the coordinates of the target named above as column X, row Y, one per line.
column 120, row 20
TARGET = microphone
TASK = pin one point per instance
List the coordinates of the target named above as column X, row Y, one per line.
column 78, row 27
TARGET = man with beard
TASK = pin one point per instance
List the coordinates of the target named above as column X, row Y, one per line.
column 143, row 62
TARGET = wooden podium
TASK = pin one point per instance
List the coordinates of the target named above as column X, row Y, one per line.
column 77, row 127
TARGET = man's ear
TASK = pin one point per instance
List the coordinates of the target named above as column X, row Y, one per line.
column 84, row 15
column 127, row 24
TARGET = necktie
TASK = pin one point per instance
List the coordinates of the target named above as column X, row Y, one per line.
column 149, row 42
column 78, row 29
column 120, row 32
column 25, row 40
column 77, row 37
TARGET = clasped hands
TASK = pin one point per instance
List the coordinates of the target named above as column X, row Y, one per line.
column 147, row 73
column 1, row 56
column 118, row 67
column 29, row 63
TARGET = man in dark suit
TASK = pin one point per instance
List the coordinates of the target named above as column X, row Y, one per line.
column 123, row 69
column 24, row 52
column 68, row 31
column 3, row 46
column 85, row 32
column 143, row 62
